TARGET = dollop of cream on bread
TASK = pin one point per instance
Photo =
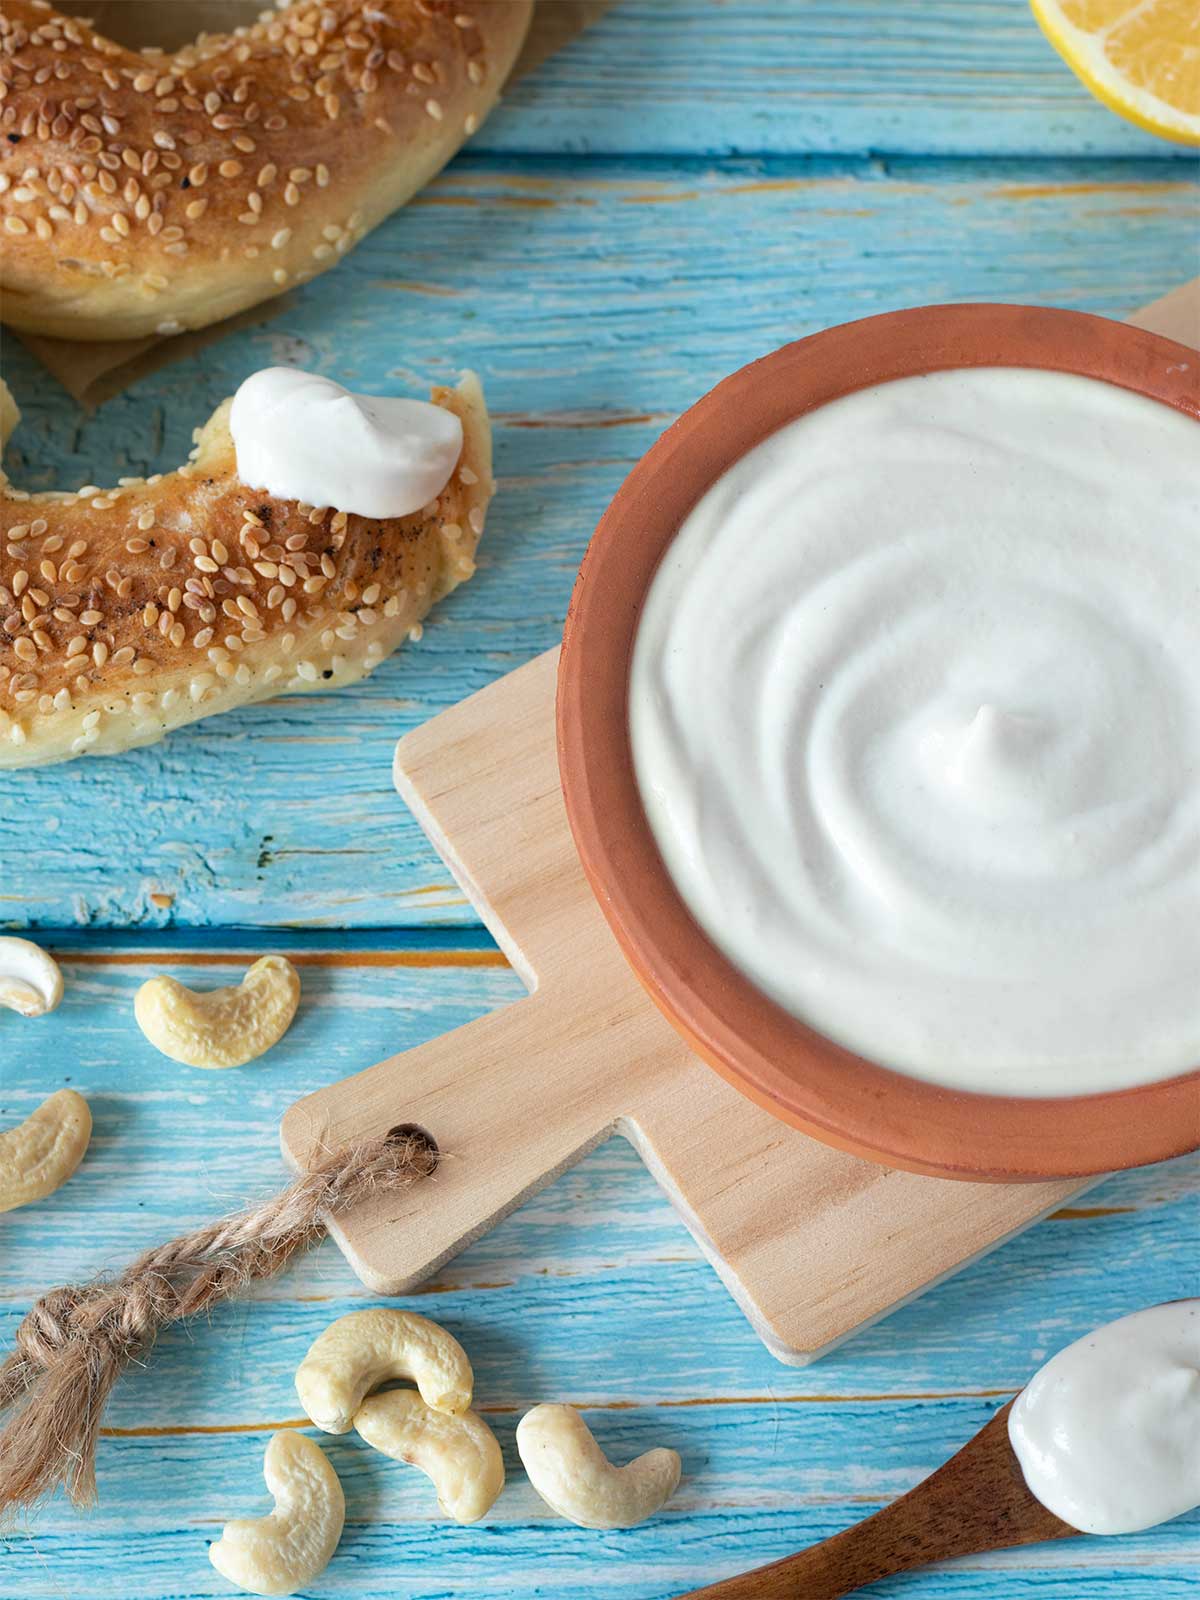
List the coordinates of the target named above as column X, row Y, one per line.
column 126, row 612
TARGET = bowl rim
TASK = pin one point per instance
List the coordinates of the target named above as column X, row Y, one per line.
column 763, row 1050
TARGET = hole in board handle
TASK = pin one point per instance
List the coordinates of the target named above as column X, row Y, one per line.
column 424, row 1146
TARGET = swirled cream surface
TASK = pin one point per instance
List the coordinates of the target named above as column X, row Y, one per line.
column 1108, row 1432
column 915, row 718
column 303, row 437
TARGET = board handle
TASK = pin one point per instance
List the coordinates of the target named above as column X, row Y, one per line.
column 510, row 1101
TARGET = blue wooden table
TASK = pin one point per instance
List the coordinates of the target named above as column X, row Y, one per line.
column 685, row 187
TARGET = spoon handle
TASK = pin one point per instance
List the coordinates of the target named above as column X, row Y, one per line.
column 977, row 1501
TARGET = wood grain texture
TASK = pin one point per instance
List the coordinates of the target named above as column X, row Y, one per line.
column 978, row 1501
column 959, row 77
column 593, row 1292
column 600, row 285
column 597, row 301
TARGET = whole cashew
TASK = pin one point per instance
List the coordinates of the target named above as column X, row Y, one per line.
column 366, row 1348
column 221, row 1027
column 285, row 1551
column 458, row 1452
column 30, row 980
column 574, row 1477
column 41, row 1153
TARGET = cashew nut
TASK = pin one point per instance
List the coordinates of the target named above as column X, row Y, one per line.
column 574, row 1477
column 30, row 980
column 222, row 1027
column 458, row 1452
column 285, row 1551
column 41, row 1153
column 366, row 1348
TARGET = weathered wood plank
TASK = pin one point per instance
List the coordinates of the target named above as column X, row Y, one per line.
column 593, row 1292
column 597, row 303
column 959, row 77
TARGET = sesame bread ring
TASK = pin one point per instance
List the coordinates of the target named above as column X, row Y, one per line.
column 146, row 193
column 126, row 612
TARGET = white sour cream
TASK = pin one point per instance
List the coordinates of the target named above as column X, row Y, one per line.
column 303, row 437
column 915, row 718
column 1108, row 1432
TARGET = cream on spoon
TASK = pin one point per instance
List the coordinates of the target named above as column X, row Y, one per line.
column 303, row 437
column 1108, row 1432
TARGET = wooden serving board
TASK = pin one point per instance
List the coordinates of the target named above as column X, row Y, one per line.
column 812, row 1243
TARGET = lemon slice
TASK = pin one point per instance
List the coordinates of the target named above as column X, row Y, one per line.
column 1141, row 57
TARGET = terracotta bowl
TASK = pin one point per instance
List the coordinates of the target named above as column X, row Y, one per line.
column 759, row 1047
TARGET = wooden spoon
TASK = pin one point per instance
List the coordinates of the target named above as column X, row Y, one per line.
column 977, row 1501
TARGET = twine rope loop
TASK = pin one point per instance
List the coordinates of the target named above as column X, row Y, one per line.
column 76, row 1340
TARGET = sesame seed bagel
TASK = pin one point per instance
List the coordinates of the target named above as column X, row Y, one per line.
column 145, row 192
column 127, row 612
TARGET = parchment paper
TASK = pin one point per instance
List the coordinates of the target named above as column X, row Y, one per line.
column 93, row 371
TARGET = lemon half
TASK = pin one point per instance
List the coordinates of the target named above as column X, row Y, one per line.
column 1141, row 57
